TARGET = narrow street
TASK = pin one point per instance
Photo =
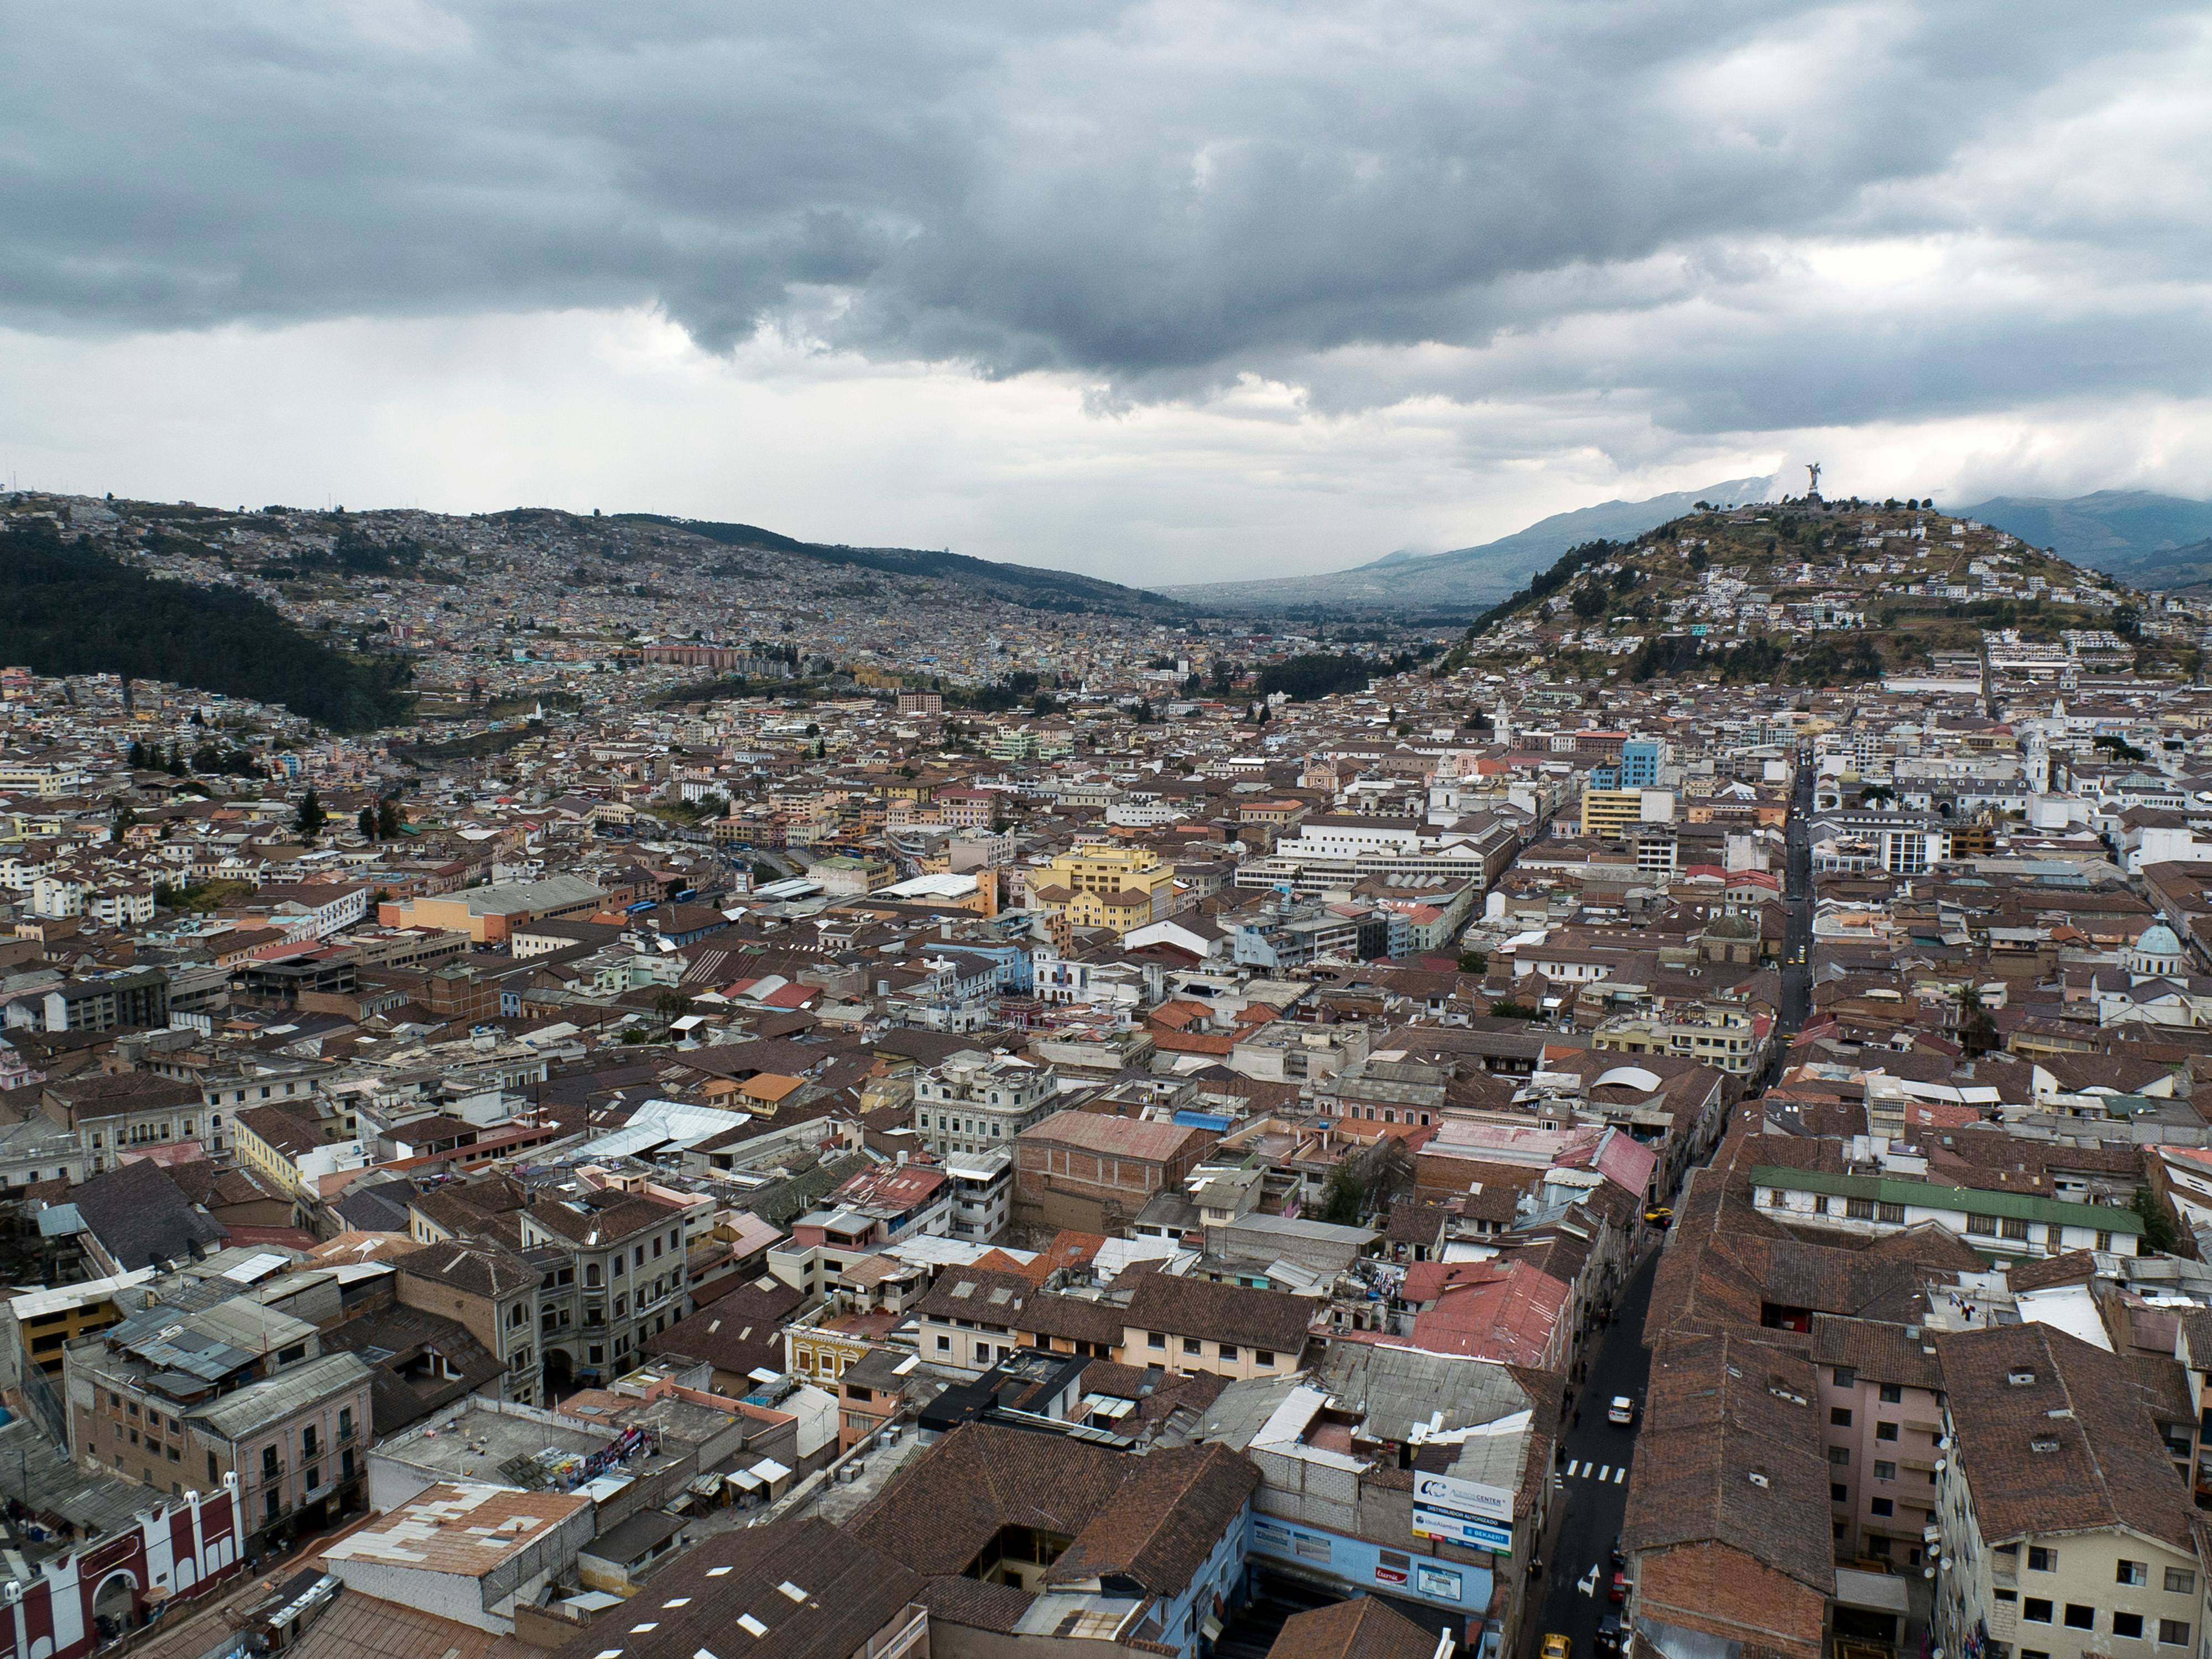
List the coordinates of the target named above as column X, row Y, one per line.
column 1593, row 1481
column 1797, row 1003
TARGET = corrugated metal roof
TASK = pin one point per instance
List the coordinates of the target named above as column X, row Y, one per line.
column 257, row 1405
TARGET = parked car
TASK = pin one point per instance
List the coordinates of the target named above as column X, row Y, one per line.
column 1619, row 1593
column 1623, row 1410
column 1610, row 1633
column 1557, row 1646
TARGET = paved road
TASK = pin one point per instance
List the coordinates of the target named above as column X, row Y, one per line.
column 1593, row 1492
column 1797, row 906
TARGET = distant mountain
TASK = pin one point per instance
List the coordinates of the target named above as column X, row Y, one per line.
column 1469, row 576
column 1029, row 586
column 2147, row 540
column 67, row 610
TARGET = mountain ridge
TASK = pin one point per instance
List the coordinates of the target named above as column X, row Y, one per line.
column 1469, row 576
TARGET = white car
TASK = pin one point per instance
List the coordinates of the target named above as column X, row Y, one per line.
column 1623, row 1410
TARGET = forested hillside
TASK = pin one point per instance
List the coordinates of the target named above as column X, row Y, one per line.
column 65, row 609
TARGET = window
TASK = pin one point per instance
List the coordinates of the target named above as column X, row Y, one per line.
column 2131, row 1572
column 2034, row 1653
column 1882, row 1506
column 1885, row 1431
column 2173, row 1632
column 2105, row 1242
column 1228, row 1350
column 308, row 1441
column 2036, row 1610
column 1262, row 1358
column 1891, row 1394
column 2126, row 1623
column 2181, row 1581
column 1840, row 1416
column 212, row 1476
column 1859, row 1209
column 2015, row 1227
column 1155, row 1340
column 945, row 1345
column 1846, row 1377
column 315, row 1476
column 1890, row 1213
column 2080, row 1618
column 1884, row 1471
column 345, row 1422
column 2042, row 1559
column 982, row 1353
column 1776, row 1200
column 1981, row 1224
column 1190, row 1345
column 1840, row 1456
column 1838, row 1494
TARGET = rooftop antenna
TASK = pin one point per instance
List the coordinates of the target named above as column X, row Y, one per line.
column 1813, row 489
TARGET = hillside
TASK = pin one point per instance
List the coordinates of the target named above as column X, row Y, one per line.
column 1027, row 585
column 1804, row 592
column 67, row 610
column 2148, row 540
column 1466, row 577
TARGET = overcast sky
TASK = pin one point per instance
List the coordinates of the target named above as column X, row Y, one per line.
column 1194, row 290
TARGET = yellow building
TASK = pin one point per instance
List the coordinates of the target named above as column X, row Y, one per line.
column 1610, row 812
column 51, row 1320
column 1115, row 887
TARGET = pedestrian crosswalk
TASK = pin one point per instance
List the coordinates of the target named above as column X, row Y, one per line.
column 1603, row 1474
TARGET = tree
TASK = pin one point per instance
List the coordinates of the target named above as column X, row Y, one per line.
column 125, row 818
column 307, row 823
column 388, row 818
column 1978, row 1031
column 367, row 823
column 1344, row 1198
column 1474, row 962
column 670, row 1005
column 1506, row 1008
column 2159, row 1230
column 136, row 758
column 174, row 765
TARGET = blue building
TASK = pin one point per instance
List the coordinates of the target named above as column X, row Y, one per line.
column 1640, row 764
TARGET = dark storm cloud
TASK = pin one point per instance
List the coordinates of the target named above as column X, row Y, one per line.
column 1163, row 196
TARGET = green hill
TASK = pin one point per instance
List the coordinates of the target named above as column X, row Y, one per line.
column 66, row 610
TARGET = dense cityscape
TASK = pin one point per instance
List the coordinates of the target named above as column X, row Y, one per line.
column 738, row 1096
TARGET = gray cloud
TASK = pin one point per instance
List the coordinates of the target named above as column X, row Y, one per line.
column 1593, row 199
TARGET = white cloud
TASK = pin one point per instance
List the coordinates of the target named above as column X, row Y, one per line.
column 1161, row 290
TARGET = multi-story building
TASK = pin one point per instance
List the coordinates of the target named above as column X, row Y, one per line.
column 1998, row 1224
column 2064, row 1529
column 492, row 1292
column 1086, row 1171
column 1114, row 887
column 975, row 1102
column 1610, row 814
column 983, row 1193
column 177, row 1401
column 1711, row 1034
column 610, row 1264
column 1881, row 1392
